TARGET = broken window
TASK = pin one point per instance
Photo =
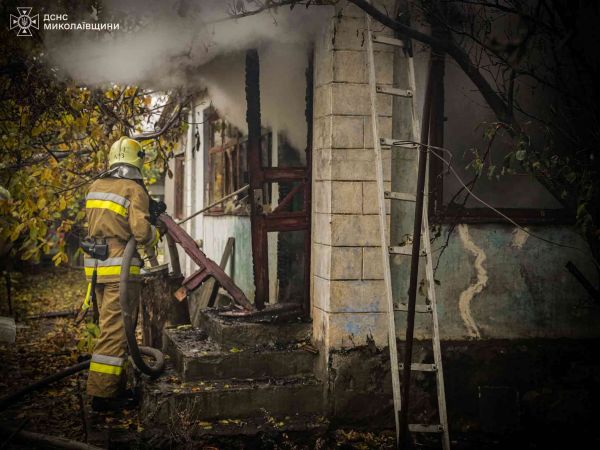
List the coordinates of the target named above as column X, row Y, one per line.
column 478, row 157
column 227, row 168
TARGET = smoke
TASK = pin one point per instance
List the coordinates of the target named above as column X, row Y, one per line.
column 196, row 45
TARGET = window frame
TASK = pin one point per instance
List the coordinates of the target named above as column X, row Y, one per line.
column 233, row 173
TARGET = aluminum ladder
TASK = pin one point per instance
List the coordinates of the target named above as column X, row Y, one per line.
column 400, row 415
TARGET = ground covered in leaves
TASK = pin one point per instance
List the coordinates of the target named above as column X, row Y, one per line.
column 47, row 345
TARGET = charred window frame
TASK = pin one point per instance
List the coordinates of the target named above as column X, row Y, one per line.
column 441, row 212
column 226, row 162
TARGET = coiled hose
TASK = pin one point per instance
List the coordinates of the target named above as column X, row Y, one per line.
column 136, row 351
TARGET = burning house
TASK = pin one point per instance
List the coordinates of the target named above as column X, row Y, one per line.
column 280, row 156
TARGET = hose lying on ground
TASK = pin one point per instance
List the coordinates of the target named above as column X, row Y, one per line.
column 135, row 351
column 12, row 398
column 49, row 441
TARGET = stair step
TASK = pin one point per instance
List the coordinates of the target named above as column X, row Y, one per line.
column 420, row 367
column 197, row 357
column 386, row 142
column 265, row 330
column 406, row 93
column 315, row 424
column 420, row 428
column 405, row 250
column 418, row 308
column 168, row 397
column 388, row 40
column 400, row 196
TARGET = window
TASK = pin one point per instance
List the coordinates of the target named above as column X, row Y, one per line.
column 460, row 129
column 227, row 169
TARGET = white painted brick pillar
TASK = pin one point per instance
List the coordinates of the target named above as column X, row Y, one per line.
column 347, row 285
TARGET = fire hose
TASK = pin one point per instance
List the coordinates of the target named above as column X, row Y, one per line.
column 135, row 351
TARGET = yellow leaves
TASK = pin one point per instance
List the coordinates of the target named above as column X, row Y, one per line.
column 205, row 425
column 36, row 131
column 41, row 203
column 235, row 350
column 16, row 232
column 62, row 204
column 59, row 258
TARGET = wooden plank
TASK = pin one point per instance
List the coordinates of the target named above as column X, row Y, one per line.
column 275, row 174
column 209, row 289
column 191, row 248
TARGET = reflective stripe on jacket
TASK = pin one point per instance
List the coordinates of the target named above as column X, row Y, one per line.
column 111, row 266
column 112, row 202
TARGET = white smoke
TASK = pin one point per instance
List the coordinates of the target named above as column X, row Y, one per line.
column 195, row 45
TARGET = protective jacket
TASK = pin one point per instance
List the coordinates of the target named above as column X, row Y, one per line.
column 117, row 208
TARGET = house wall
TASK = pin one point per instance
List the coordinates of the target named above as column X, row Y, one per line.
column 496, row 281
column 211, row 232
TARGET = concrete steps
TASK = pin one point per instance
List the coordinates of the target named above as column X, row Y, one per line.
column 195, row 356
column 168, row 399
column 263, row 330
column 237, row 377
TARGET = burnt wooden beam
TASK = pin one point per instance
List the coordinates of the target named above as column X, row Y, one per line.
column 260, row 261
column 207, row 267
column 308, row 187
column 285, row 173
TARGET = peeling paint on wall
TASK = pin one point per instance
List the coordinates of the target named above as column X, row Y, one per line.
column 519, row 238
column 464, row 301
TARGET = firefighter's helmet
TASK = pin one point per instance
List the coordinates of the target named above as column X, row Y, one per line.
column 126, row 151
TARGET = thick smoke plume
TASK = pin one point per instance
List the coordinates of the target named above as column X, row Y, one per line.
column 166, row 44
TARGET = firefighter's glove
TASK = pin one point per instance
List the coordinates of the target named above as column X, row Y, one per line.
column 161, row 227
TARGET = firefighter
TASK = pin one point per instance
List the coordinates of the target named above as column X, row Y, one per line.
column 117, row 207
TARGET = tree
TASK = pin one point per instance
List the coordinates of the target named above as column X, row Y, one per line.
column 54, row 139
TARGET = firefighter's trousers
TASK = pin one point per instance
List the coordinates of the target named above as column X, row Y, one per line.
column 107, row 368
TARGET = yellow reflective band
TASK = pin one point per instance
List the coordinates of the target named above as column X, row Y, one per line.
column 156, row 237
column 107, row 204
column 111, row 270
column 88, row 296
column 105, row 368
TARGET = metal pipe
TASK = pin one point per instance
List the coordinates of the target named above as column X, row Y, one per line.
column 212, row 205
column 414, row 267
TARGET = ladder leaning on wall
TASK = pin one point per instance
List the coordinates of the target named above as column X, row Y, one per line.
column 421, row 227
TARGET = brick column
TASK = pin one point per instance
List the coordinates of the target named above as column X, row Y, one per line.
column 348, row 290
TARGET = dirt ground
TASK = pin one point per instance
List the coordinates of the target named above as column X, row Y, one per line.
column 46, row 345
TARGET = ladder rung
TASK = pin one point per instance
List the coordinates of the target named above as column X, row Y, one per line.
column 396, row 143
column 380, row 39
column 394, row 91
column 418, row 308
column 400, row 196
column 420, row 367
column 404, row 250
column 420, row 428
